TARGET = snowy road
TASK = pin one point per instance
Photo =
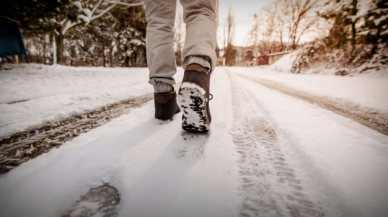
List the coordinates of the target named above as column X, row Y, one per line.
column 267, row 154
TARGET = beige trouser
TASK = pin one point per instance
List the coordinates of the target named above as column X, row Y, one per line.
column 201, row 36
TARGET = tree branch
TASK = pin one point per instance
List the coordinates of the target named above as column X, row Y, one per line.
column 123, row 3
column 9, row 19
column 95, row 7
column 102, row 13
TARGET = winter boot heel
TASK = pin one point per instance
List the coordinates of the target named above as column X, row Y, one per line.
column 165, row 105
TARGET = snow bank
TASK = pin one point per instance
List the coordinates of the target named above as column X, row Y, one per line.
column 284, row 64
column 33, row 94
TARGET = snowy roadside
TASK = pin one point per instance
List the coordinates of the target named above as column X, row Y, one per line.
column 368, row 70
column 365, row 91
column 366, row 116
column 45, row 93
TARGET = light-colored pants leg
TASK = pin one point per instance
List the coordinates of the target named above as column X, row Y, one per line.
column 201, row 29
column 160, row 16
column 201, row 36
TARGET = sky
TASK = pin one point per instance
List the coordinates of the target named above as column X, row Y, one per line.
column 243, row 11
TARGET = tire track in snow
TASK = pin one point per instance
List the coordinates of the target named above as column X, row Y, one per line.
column 373, row 119
column 21, row 147
column 269, row 185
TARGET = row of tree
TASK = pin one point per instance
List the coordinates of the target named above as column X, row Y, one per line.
column 281, row 25
column 278, row 27
column 357, row 37
column 354, row 26
column 81, row 32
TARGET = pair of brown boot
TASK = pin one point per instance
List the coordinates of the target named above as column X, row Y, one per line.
column 193, row 97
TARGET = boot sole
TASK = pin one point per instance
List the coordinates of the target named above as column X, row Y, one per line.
column 192, row 100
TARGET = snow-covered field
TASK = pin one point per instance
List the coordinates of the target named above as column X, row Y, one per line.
column 267, row 153
column 45, row 93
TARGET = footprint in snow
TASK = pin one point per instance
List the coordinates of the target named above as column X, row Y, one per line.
column 193, row 145
column 100, row 201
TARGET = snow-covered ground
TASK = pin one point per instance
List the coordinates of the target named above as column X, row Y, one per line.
column 45, row 93
column 366, row 91
column 267, row 153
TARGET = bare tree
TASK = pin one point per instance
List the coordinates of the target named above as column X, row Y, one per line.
column 179, row 37
column 269, row 32
column 301, row 17
column 230, row 24
column 276, row 15
column 230, row 52
column 89, row 10
column 254, row 33
column 260, row 37
column 283, row 19
column 224, row 36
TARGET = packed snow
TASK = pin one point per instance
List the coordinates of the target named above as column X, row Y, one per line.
column 161, row 170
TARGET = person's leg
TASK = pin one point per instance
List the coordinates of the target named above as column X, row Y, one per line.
column 201, row 33
column 160, row 16
column 199, row 58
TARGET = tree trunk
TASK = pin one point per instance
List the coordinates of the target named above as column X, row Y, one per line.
column 293, row 43
column 44, row 53
column 281, row 42
column 55, row 50
column 354, row 12
column 60, row 48
column 111, row 56
column 103, row 54
column 353, row 36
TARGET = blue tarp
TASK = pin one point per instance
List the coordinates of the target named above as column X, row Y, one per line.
column 11, row 41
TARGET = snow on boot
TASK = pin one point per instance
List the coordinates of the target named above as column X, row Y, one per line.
column 194, row 99
column 165, row 105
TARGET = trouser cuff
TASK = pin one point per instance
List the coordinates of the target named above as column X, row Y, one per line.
column 198, row 59
column 161, row 87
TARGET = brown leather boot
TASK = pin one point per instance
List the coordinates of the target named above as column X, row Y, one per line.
column 165, row 105
column 194, row 99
